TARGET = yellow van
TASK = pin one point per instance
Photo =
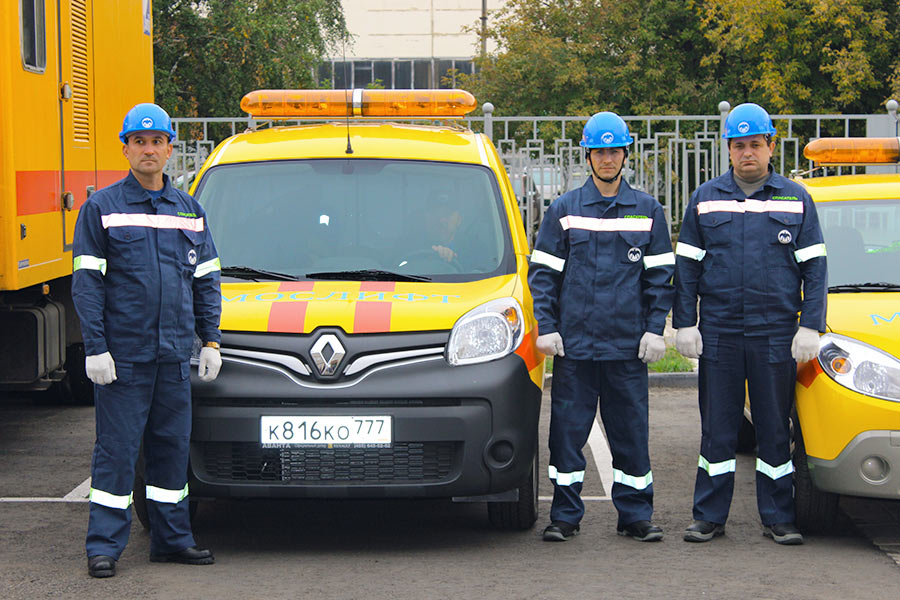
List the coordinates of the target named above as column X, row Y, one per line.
column 847, row 420
column 377, row 328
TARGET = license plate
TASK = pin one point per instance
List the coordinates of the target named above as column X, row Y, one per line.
column 280, row 432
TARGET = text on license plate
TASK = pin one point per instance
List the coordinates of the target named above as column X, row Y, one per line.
column 286, row 431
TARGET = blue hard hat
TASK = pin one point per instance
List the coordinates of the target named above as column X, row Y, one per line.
column 146, row 117
column 748, row 119
column 606, row 130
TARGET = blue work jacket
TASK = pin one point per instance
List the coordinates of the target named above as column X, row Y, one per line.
column 746, row 258
column 601, row 272
column 145, row 274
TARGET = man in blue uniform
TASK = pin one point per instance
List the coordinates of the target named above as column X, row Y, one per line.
column 146, row 279
column 600, row 276
column 750, row 243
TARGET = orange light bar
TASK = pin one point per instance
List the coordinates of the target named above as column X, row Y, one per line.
column 853, row 151
column 358, row 103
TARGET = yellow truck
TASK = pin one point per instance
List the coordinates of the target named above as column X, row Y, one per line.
column 68, row 73
column 377, row 330
column 847, row 420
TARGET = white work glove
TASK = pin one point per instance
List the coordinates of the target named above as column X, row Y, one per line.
column 689, row 342
column 652, row 347
column 210, row 363
column 550, row 344
column 100, row 368
column 805, row 345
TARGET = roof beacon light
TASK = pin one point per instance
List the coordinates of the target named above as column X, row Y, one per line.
column 287, row 104
column 853, row 151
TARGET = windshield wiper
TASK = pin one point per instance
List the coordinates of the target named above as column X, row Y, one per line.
column 367, row 275
column 880, row 286
column 245, row 272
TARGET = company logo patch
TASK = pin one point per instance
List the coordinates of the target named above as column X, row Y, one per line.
column 784, row 236
column 146, row 122
column 634, row 254
column 607, row 137
column 743, row 127
column 192, row 256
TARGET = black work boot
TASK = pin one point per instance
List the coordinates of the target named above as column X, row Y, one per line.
column 560, row 531
column 188, row 556
column 703, row 531
column 784, row 533
column 642, row 531
column 101, row 566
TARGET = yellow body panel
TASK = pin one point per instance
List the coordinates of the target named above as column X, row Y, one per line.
column 367, row 307
column 51, row 142
column 832, row 415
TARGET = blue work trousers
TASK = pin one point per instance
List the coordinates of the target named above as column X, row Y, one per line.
column 766, row 365
column 621, row 386
column 153, row 401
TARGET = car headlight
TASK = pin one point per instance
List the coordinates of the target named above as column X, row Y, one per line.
column 860, row 367
column 487, row 332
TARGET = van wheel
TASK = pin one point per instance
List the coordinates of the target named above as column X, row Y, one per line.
column 816, row 510
column 523, row 513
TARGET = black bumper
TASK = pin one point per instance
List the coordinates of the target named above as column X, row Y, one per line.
column 457, row 431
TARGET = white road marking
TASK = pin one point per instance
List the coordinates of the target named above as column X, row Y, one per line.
column 585, row 498
column 79, row 494
column 602, row 458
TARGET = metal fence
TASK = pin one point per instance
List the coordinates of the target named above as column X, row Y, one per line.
column 672, row 154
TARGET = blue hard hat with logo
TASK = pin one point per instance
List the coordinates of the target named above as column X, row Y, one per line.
column 146, row 117
column 606, row 130
column 748, row 119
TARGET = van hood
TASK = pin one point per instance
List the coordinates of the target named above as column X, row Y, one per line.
column 872, row 318
column 355, row 306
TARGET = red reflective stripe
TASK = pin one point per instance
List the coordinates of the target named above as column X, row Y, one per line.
column 807, row 372
column 39, row 192
column 289, row 317
column 374, row 316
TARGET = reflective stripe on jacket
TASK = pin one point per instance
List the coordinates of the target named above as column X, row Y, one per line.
column 601, row 272
column 146, row 274
column 746, row 258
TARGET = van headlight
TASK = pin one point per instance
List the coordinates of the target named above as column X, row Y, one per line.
column 487, row 332
column 860, row 367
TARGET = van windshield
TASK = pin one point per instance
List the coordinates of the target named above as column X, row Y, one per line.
column 862, row 239
column 327, row 218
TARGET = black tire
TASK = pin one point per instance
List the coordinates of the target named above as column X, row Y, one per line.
column 75, row 387
column 746, row 436
column 523, row 513
column 816, row 510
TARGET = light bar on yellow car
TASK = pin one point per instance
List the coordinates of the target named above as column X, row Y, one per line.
column 288, row 104
column 853, row 151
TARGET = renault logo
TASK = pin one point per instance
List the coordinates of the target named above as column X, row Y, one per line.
column 327, row 353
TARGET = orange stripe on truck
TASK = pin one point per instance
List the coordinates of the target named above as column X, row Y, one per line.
column 289, row 317
column 39, row 191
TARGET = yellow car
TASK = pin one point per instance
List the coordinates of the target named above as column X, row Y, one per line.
column 847, row 421
column 377, row 328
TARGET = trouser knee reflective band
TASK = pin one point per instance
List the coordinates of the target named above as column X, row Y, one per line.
column 765, row 363
column 622, row 390
column 153, row 400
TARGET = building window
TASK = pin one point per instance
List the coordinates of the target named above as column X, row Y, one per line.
column 362, row 74
column 422, row 74
column 383, row 73
column 403, row 74
column 34, row 43
column 343, row 75
column 394, row 74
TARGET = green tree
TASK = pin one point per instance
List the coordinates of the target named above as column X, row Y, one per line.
column 209, row 53
column 684, row 56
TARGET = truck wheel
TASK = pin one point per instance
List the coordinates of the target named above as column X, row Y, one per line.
column 816, row 510
column 522, row 514
column 75, row 387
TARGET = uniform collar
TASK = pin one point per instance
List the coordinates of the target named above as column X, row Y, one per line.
column 137, row 193
column 625, row 195
column 727, row 183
